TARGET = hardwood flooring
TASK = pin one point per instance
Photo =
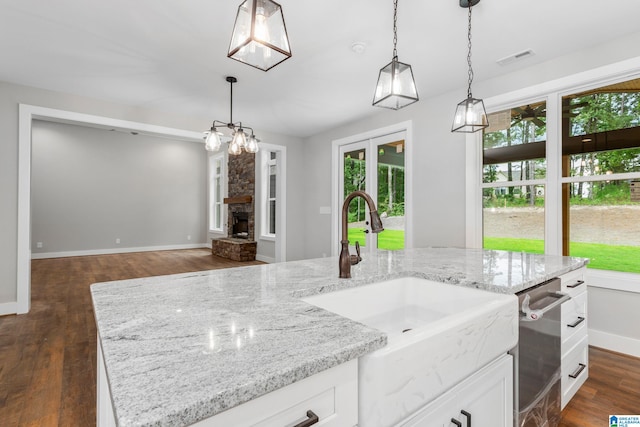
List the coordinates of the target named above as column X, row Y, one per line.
column 613, row 388
column 48, row 356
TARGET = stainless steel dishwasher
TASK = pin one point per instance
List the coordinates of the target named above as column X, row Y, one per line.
column 537, row 356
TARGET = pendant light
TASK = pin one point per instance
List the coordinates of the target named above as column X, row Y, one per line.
column 470, row 114
column 259, row 35
column 239, row 139
column 396, row 87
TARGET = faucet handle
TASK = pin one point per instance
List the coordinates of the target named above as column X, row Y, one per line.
column 356, row 258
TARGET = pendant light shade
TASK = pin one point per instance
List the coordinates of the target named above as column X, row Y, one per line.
column 259, row 35
column 396, row 87
column 471, row 115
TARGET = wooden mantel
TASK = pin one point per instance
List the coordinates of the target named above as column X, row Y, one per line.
column 238, row 199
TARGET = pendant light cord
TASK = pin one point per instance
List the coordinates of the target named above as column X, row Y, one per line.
column 231, row 103
column 469, row 53
column 395, row 28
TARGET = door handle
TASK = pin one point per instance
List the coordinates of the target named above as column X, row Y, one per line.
column 468, row 415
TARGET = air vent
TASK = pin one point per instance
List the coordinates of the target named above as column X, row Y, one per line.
column 516, row 57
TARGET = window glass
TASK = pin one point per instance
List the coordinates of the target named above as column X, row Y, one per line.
column 601, row 139
column 513, row 218
column 514, row 152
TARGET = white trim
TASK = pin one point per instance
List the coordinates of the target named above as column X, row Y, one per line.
column 26, row 114
column 66, row 254
column 619, row 343
column 336, row 200
column 524, row 183
column 268, row 237
column 553, row 193
column 616, row 280
column 214, row 157
column 8, row 308
column 594, row 178
column 281, row 199
column 267, row 259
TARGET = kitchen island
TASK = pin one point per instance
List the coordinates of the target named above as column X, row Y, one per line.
column 182, row 348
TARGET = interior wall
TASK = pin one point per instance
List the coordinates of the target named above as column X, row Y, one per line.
column 92, row 186
column 12, row 95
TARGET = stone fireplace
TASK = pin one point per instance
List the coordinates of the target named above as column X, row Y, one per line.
column 239, row 245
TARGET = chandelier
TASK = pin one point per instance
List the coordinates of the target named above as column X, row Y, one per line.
column 239, row 141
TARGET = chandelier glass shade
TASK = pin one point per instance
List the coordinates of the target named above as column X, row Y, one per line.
column 259, row 35
column 240, row 140
column 396, row 87
column 470, row 115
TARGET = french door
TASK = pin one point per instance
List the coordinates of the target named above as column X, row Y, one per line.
column 376, row 166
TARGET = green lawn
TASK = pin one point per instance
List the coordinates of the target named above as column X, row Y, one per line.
column 388, row 239
column 602, row 257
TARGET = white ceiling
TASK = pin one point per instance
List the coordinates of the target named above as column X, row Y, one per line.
column 171, row 54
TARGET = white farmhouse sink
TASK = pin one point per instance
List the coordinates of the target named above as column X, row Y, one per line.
column 438, row 334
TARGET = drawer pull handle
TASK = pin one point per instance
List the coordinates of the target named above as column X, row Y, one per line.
column 578, row 371
column 456, row 422
column 468, row 415
column 312, row 419
column 576, row 323
column 575, row 285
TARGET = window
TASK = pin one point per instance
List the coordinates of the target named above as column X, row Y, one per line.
column 514, row 172
column 216, row 191
column 269, row 191
column 567, row 183
column 600, row 165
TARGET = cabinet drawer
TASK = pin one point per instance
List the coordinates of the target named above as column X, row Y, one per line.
column 574, row 321
column 575, row 370
column 573, row 283
column 332, row 395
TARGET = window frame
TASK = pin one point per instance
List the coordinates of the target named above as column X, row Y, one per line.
column 552, row 92
column 265, row 213
column 213, row 159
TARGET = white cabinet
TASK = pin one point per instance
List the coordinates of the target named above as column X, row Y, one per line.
column 483, row 399
column 575, row 340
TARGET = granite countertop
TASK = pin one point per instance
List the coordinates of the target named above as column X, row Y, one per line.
column 181, row 348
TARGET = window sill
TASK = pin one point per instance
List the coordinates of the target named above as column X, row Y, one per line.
column 614, row 280
column 269, row 238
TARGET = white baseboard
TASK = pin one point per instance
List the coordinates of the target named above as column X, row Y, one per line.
column 7, row 308
column 117, row 251
column 266, row 259
column 618, row 343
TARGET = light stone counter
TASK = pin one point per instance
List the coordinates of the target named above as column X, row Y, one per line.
column 181, row 348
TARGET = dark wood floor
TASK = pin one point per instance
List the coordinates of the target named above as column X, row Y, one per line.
column 613, row 388
column 48, row 357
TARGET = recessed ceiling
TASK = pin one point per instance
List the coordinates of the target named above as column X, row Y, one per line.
column 171, row 55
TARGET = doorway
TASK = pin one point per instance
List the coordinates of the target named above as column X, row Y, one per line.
column 376, row 163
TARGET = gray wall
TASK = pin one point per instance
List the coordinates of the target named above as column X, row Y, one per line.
column 91, row 186
column 12, row 95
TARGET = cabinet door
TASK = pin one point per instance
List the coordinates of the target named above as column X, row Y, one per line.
column 486, row 398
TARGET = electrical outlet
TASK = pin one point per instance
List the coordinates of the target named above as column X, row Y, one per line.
column 189, row 237
column 118, row 241
column 39, row 245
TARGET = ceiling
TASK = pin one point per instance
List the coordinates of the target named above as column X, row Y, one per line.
column 170, row 55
